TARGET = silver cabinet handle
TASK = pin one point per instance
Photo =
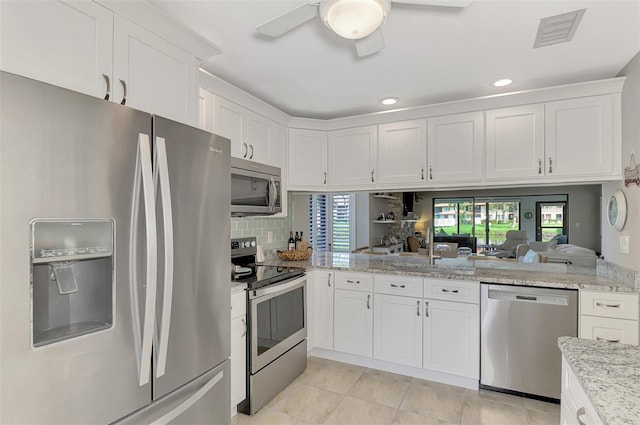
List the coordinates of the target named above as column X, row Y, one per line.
column 453, row 291
column 422, row 173
column 580, row 412
column 608, row 340
column 372, row 180
column 550, row 165
column 251, row 156
column 244, row 322
column 329, row 280
column 124, row 96
column 246, row 150
column 430, row 172
column 108, row 94
column 539, row 166
column 164, row 192
column 418, row 308
column 393, row 285
column 325, row 178
column 608, row 305
column 426, row 309
column 353, row 281
column 368, row 301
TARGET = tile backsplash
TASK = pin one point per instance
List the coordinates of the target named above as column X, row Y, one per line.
column 260, row 227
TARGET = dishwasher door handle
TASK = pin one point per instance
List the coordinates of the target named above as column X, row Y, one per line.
column 512, row 296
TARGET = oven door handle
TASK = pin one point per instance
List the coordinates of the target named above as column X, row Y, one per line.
column 274, row 289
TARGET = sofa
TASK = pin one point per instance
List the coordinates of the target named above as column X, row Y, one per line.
column 555, row 252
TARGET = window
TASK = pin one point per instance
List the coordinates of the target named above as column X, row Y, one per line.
column 550, row 220
column 331, row 222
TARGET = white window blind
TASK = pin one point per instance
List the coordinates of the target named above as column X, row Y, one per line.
column 341, row 223
column 318, row 223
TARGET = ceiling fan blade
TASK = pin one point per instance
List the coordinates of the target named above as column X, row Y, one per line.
column 289, row 20
column 370, row 44
column 445, row 3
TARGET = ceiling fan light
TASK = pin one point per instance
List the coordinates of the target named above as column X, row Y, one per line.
column 354, row 19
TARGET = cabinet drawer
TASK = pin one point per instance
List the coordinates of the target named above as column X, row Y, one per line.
column 452, row 290
column 354, row 281
column 398, row 285
column 613, row 330
column 575, row 398
column 238, row 304
column 609, row 304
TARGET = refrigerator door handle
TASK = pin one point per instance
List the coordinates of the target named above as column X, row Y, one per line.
column 167, row 215
column 170, row 416
column 144, row 177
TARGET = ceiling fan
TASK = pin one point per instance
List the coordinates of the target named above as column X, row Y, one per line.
column 359, row 20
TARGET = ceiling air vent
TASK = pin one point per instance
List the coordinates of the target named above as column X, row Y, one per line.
column 558, row 29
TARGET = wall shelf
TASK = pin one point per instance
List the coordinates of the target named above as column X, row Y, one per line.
column 383, row 221
column 385, row 197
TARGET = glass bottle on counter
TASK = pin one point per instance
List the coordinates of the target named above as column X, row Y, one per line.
column 292, row 242
column 296, row 240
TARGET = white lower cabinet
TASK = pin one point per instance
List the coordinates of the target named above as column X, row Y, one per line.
column 452, row 338
column 575, row 407
column 609, row 316
column 353, row 322
column 238, row 348
column 397, row 324
column 321, row 311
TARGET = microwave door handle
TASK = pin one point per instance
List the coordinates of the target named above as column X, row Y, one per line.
column 273, row 195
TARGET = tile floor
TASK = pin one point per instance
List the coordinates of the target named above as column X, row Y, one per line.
column 330, row 392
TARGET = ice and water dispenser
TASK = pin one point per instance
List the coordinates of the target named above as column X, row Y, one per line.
column 72, row 265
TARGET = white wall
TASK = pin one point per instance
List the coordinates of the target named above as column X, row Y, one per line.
column 630, row 143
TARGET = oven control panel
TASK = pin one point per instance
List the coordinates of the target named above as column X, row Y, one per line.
column 243, row 246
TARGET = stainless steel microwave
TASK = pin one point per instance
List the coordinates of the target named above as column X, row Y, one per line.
column 255, row 188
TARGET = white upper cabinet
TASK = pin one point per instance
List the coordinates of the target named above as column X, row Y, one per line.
column 455, row 147
column 153, row 75
column 205, row 110
column 515, row 142
column 67, row 44
column 228, row 121
column 257, row 137
column 579, row 137
column 402, row 152
column 307, row 159
column 352, row 156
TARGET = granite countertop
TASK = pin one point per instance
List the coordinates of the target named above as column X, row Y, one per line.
column 551, row 275
column 609, row 373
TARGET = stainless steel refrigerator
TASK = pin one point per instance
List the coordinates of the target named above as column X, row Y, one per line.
column 114, row 230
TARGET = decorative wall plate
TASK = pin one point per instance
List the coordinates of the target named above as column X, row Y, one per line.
column 617, row 210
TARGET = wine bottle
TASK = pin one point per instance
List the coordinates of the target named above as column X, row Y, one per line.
column 297, row 239
column 292, row 242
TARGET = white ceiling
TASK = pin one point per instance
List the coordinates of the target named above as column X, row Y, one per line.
column 432, row 54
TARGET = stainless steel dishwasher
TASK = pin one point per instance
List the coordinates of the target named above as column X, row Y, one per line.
column 519, row 331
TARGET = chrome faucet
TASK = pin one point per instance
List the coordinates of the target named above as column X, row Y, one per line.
column 430, row 240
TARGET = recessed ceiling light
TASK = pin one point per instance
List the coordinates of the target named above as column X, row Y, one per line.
column 503, row 82
column 389, row 100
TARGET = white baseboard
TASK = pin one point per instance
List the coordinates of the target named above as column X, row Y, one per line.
column 444, row 378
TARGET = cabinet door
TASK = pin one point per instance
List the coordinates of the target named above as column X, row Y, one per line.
column 205, row 110
column 228, row 121
column 307, row 159
column 397, row 324
column 323, row 309
column 353, row 322
column 160, row 78
column 579, row 136
column 515, row 142
column 279, row 155
column 352, row 156
column 257, row 136
column 452, row 338
column 238, row 359
column 455, row 147
column 67, row 44
column 402, row 152
column 607, row 329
